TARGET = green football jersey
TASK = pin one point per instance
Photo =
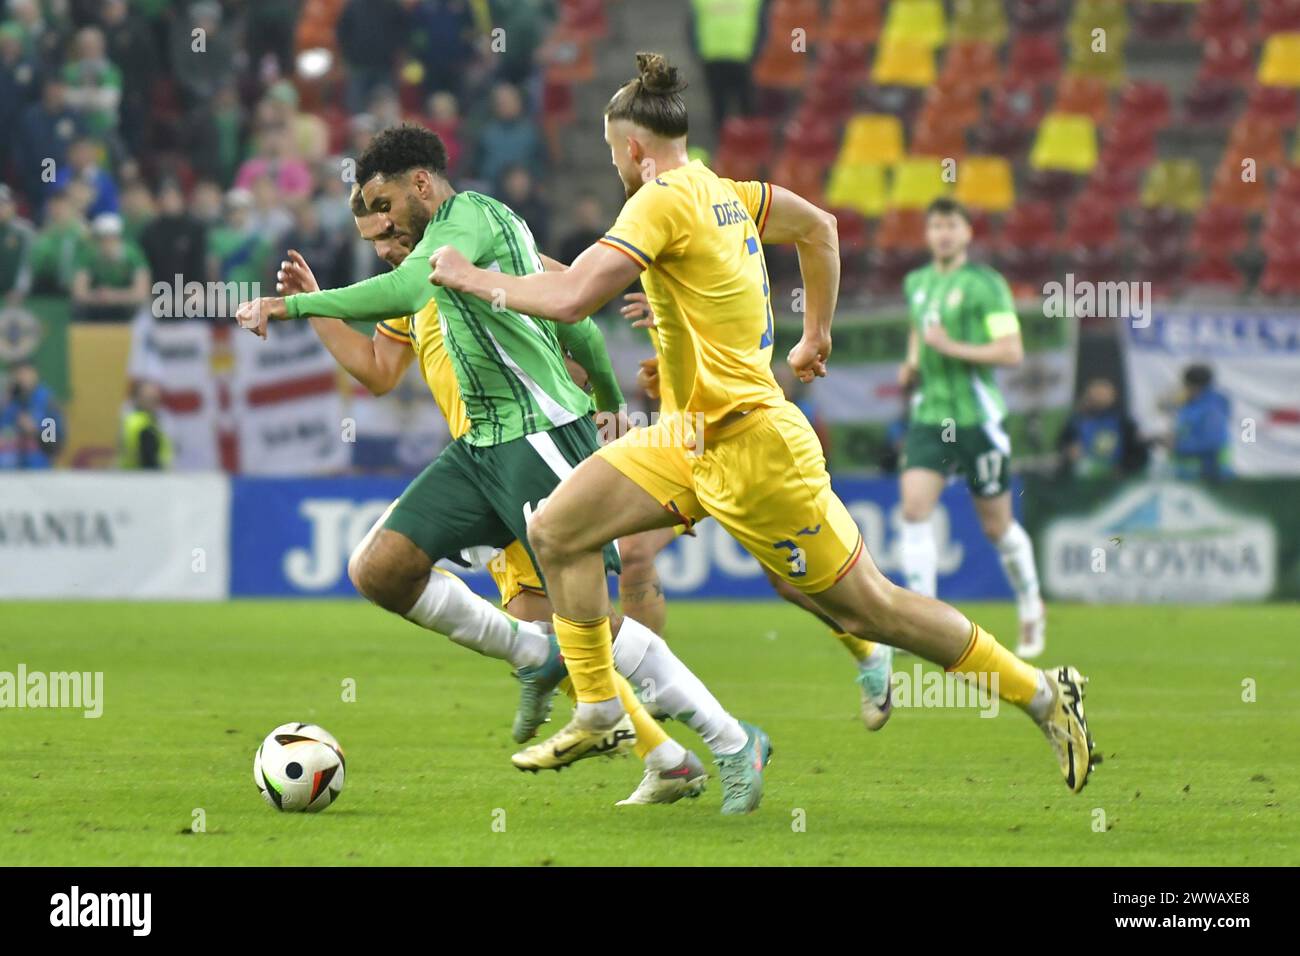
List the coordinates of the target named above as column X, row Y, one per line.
column 974, row 305
column 509, row 366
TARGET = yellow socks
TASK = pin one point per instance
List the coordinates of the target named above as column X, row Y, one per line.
column 649, row 734
column 588, row 649
column 859, row 647
column 985, row 662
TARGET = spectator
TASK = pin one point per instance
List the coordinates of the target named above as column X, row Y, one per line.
column 308, row 133
column 726, row 34
column 269, row 215
column 519, row 192
column 1201, row 423
column 509, row 138
column 137, row 210
column 276, row 160
column 83, row 166
column 440, row 35
column 19, row 83
column 94, row 83
column 16, row 241
column 112, row 279
column 589, row 225
column 270, row 32
column 332, row 198
column 237, row 252
column 57, row 248
column 1100, row 440
column 31, row 424
column 46, row 131
column 175, row 243
column 444, row 119
column 206, row 203
column 145, row 445
column 369, row 34
column 325, row 251
column 205, row 63
column 132, row 47
column 525, row 23
column 42, row 40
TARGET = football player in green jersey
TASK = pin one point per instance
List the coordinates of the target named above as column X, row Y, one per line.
column 964, row 326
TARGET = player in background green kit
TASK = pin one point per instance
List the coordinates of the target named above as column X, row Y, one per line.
column 964, row 325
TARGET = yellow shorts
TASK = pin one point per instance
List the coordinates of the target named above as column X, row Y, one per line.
column 763, row 478
column 513, row 572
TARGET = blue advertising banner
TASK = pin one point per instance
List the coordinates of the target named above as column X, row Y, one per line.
column 292, row 537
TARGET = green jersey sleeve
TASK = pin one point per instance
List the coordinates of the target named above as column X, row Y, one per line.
column 586, row 344
column 403, row 291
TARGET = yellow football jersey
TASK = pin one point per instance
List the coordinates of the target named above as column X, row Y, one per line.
column 699, row 239
column 424, row 336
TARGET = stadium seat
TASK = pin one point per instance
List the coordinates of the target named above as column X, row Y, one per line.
column 872, row 138
column 1216, row 18
column 1281, row 226
column 915, row 21
column 1216, row 271
column 800, row 176
column 585, row 18
column 1000, row 137
column 1035, row 57
column 985, row 182
column 1026, row 269
column 1127, row 142
column 1279, row 16
column 1028, row 225
column 862, row 187
column 887, row 266
column 981, row 20
column 1089, row 15
column 1287, row 184
column 1280, row 63
column 1273, row 104
column 815, row 140
column 903, row 63
column 958, row 106
column 1174, row 183
column 786, row 16
column 852, row 229
column 745, row 147
column 1210, row 102
column 970, row 64
column 901, row 229
column 1018, row 102
column 917, row 181
column 1038, row 15
column 1257, row 139
column 938, row 136
column 1219, row 230
column 832, row 103
column 779, row 67
column 1091, row 225
column 1115, row 183
column 1158, row 225
column 842, row 63
column 1050, row 185
column 1066, row 142
column 1087, row 95
column 855, row 20
column 1095, row 264
column 1281, row 277
column 1147, row 102
column 1160, row 20
column 1230, row 189
column 1228, row 56
column 1106, row 65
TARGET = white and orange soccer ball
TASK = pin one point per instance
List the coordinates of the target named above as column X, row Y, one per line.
column 299, row 768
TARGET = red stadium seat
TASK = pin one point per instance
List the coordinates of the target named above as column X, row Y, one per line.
column 1159, row 19
column 1215, row 18
column 970, row 63
column 887, row 267
column 958, row 106
column 1230, row 189
column 786, row 16
column 778, row 66
column 1096, row 263
column 1035, row 57
column 999, row 137
column 1257, row 139
column 1281, row 278
column 938, row 137
column 1273, row 104
column 814, row 140
column 584, row 18
column 1083, row 94
column 1210, row 102
column 1219, row 230
column 745, row 147
column 901, row 229
column 800, row 175
column 1038, row 15
column 1019, row 103
column 1115, row 184
column 1279, row 16
column 1281, row 226
column 842, row 63
column 1228, row 56
column 1216, row 270
column 1288, row 185
column 827, row 103
column 1050, row 185
column 1128, row 142
column 1145, row 102
column 1026, row 268
column 1158, row 225
column 1091, row 225
column 857, row 20
column 1028, row 225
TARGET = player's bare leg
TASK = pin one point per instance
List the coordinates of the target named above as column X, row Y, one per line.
column 920, row 489
column 868, row 604
column 567, row 536
column 875, row 661
column 640, row 593
column 1016, row 551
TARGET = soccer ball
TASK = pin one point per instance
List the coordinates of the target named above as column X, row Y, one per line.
column 299, row 768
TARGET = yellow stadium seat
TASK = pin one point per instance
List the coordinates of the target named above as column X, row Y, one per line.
column 1280, row 64
column 1174, row 182
column 903, row 63
column 1065, row 141
column 918, row 181
column 862, row 187
column 983, row 20
column 985, row 182
column 872, row 138
column 915, row 21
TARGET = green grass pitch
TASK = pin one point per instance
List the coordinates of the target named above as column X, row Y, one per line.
column 1194, row 774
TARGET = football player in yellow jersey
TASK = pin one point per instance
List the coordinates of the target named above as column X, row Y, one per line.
column 748, row 457
column 379, row 364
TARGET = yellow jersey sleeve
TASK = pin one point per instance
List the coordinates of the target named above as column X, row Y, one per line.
column 398, row 329
column 756, row 197
column 999, row 308
column 652, row 224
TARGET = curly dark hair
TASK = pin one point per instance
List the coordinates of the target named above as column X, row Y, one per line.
column 400, row 149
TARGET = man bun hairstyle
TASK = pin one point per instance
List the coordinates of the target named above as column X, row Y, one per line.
column 653, row 98
column 400, row 149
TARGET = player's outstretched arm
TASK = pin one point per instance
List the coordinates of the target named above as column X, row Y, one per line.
column 815, row 235
column 569, row 296
column 1006, row 349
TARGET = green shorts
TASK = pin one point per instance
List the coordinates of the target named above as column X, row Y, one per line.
column 471, row 496
column 979, row 453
